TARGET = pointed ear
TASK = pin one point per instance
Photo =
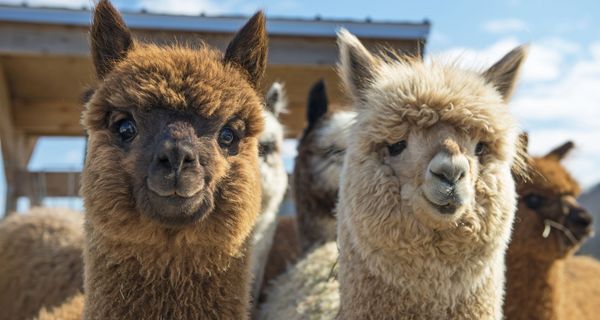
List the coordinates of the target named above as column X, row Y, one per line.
column 248, row 49
column 560, row 152
column 504, row 73
column 524, row 142
column 110, row 38
column 357, row 65
column 317, row 103
column 275, row 101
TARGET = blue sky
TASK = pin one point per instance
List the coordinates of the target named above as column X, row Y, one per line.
column 558, row 97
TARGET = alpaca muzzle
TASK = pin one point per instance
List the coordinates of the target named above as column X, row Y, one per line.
column 446, row 186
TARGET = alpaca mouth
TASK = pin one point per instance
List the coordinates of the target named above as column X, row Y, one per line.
column 445, row 209
column 175, row 210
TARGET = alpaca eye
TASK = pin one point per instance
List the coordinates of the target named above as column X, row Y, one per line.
column 396, row 148
column 126, row 129
column 265, row 148
column 226, row 136
column 534, row 201
column 481, row 148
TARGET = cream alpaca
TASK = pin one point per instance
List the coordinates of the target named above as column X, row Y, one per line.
column 274, row 183
column 427, row 197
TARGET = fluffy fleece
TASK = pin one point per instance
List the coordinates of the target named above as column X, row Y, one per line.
column 309, row 288
column 400, row 256
column 317, row 169
column 159, row 247
column 274, row 184
column 41, row 260
column 544, row 279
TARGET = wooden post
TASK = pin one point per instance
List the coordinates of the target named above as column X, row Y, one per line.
column 11, row 143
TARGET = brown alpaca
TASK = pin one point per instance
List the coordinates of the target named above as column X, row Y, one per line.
column 317, row 169
column 171, row 181
column 284, row 252
column 40, row 254
column 544, row 280
column 426, row 197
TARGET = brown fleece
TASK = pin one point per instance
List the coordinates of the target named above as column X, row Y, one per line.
column 138, row 265
column 284, row 252
column 544, row 280
column 40, row 261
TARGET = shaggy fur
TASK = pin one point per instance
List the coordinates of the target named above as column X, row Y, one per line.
column 69, row 310
column 274, row 184
column 41, row 263
column 544, row 280
column 150, row 254
column 309, row 290
column 317, row 169
column 400, row 257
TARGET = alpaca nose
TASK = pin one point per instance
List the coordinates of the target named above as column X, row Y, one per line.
column 580, row 217
column 449, row 169
column 175, row 156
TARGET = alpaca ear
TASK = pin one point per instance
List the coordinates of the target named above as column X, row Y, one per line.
column 275, row 101
column 110, row 38
column 357, row 64
column 317, row 103
column 560, row 152
column 248, row 49
column 504, row 73
column 524, row 142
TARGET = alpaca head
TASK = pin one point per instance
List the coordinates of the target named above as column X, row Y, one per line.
column 173, row 136
column 428, row 168
column 272, row 169
column 321, row 148
column 550, row 223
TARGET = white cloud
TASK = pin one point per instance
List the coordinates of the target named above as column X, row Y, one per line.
column 185, row 7
column 558, row 99
column 504, row 26
column 52, row 3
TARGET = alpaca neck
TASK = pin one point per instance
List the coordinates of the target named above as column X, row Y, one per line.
column 533, row 287
column 316, row 220
column 432, row 294
column 125, row 281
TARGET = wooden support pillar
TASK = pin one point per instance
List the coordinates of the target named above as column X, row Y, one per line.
column 12, row 145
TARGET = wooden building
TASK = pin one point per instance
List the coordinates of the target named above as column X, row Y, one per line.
column 45, row 65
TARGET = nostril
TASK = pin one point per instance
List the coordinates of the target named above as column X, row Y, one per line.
column 189, row 158
column 163, row 160
column 441, row 176
column 579, row 217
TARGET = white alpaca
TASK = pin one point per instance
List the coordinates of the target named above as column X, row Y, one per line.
column 427, row 196
column 274, row 183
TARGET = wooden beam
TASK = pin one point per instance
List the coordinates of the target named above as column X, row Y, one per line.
column 36, row 40
column 38, row 185
column 48, row 118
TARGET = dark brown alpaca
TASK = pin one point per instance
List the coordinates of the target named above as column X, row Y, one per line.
column 544, row 279
column 171, row 181
column 317, row 169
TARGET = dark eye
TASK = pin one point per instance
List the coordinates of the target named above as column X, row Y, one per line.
column 534, row 201
column 126, row 129
column 481, row 149
column 226, row 136
column 396, row 148
column 265, row 148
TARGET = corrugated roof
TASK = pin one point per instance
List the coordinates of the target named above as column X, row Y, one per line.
column 221, row 24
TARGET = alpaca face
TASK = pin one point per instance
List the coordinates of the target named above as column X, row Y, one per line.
column 549, row 215
column 429, row 162
column 274, row 176
column 172, row 130
column 325, row 148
